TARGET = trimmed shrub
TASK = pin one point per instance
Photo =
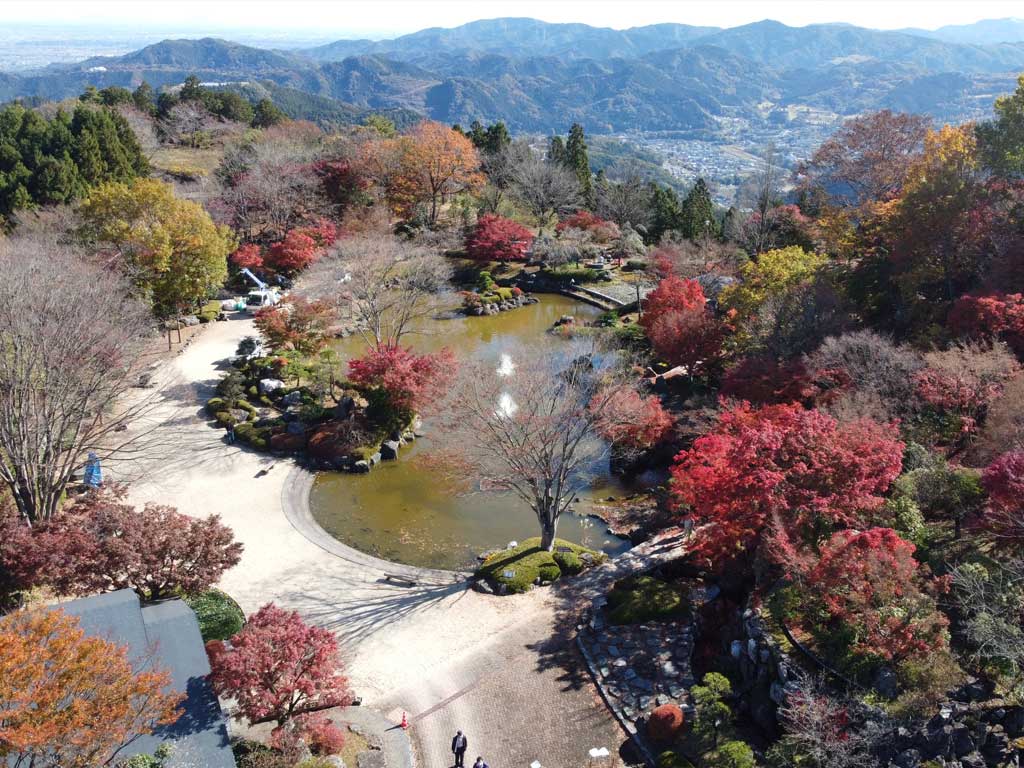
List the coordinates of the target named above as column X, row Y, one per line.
column 218, row 614
column 569, row 563
column 549, row 572
column 644, row 598
column 214, row 405
column 634, row 265
column 665, row 723
column 225, row 419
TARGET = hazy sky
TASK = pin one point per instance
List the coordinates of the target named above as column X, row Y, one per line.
column 385, row 18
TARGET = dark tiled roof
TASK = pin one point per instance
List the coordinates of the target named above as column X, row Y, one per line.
column 166, row 635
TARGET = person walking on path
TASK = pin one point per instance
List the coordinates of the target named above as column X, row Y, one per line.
column 459, row 745
column 480, row 763
column 231, row 434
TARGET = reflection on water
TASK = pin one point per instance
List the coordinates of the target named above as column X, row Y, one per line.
column 406, row 512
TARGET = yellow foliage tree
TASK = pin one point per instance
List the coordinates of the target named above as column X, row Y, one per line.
column 170, row 248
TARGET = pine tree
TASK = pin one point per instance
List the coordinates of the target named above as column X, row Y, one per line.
column 144, row 99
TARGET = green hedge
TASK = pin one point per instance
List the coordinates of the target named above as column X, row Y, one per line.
column 219, row 615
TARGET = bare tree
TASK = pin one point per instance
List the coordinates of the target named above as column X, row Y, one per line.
column 628, row 201
column 545, row 188
column 531, row 426
column 993, row 608
column 269, row 185
column 822, row 730
column 144, row 128
column 763, row 188
column 70, row 338
column 187, row 122
column 384, row 285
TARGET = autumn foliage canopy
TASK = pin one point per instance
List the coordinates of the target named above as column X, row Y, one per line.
column 410, row 379
column 783, row 472
column 870, row 584
column 71, row 700
column 680, row 327
column 279, row 667
column 495, row 238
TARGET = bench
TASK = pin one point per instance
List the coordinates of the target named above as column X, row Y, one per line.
column 402, row 580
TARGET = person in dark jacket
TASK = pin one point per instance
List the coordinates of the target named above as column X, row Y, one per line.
column 459, row 745
column 480, row 763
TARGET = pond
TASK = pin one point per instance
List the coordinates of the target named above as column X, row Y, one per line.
column 405, row 512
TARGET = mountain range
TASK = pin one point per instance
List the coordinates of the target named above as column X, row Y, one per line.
column 541, row 77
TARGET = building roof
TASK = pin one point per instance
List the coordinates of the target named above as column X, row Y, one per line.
column 166, row 635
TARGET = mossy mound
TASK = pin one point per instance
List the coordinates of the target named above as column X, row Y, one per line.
column 517, row 569
column 645, row 598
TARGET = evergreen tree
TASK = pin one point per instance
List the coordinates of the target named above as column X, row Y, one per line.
column 191, row 90
column 497, row 138
column 576, row 158
column 698, row 213
column 266, row 114
column 668, row 213
column 556, row 150
column 144, row 99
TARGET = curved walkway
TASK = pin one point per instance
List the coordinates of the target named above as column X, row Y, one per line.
column 501, row 669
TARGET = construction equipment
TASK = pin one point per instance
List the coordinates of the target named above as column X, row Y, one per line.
column 264, row 295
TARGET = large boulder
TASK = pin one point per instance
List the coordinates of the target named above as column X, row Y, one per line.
column 331, row 444
column 267, row 386
column 389, row 450
column 292, row 398
column 286, row 442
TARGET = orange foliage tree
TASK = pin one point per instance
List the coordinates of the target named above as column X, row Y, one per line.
column 71, row 700
column 426, row 166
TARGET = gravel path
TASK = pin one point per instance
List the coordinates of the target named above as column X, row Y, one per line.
column 504, row 670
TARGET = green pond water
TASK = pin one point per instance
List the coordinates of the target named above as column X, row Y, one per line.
column 404, row 512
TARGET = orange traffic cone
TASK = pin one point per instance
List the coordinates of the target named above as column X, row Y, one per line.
column 405, row 721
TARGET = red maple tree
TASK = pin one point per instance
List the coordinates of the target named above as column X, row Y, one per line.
column 102, row 544
column 249, row 256
column 495, row 238
column 628, row 419
column 781, row 470
column 292, row 254
column 1003, row 517
column 765, row 381
column 869, row 583
column 296, row 324
column 990, row 316
column 411, row 380
column 278, row 667
column 680, row 327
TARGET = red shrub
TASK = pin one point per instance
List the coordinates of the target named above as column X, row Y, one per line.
column 293, row 254
column 990, row 316
column 248, row 255
column 870, row 583
column 628, row 419
column 665, row 723
column 495, row 238
column 316, row 731
column 1003, row 517
column 765, row 381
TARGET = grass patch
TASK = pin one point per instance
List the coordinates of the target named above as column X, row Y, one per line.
column 528, row 561
column 644, row 598
column 355, row 745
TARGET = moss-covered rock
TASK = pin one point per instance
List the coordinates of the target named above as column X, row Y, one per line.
column 516, row 570
column 637, row 599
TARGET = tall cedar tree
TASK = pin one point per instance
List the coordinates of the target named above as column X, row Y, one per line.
column 577, row 159
column 698, row 214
